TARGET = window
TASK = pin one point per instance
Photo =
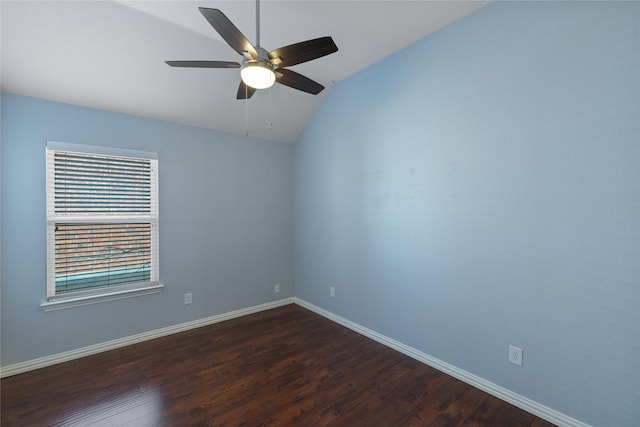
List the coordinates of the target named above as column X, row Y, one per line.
column 102, row 221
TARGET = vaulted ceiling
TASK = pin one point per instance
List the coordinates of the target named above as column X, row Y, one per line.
column 110, row 54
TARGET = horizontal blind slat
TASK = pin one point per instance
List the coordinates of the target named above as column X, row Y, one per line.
column 93, row 184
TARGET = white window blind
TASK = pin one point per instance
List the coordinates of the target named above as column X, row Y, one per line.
column 102, row 220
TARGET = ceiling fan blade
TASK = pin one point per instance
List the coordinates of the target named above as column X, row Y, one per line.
column 203, row 64
column 298, row 81
column 244, row 91
column 298, row 53
column 228, row 31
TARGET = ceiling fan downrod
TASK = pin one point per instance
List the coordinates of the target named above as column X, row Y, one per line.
column 258, row 23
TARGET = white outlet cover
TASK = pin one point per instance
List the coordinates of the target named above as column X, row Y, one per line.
column 515, row 355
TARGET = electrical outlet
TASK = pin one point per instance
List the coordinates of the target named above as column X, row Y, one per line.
column 332, row 292
column 276, row 288
column 188, row 298
column 515, row 355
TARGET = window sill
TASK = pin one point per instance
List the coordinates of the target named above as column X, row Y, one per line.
column 95, row 299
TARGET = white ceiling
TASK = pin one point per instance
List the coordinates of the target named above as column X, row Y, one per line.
column 110, row 54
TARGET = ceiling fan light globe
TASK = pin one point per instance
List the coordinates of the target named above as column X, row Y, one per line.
column 258, row 75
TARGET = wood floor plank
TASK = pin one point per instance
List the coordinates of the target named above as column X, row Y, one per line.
column 461, row 409
column 282, row 367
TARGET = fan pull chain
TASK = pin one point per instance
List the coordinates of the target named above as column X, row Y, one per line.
column 246, row 110
column 270, row 119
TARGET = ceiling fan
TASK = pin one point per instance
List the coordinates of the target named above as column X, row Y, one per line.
column 260, row 69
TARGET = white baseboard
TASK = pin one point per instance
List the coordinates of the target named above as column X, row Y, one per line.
column 502, row 393
column 42, row 362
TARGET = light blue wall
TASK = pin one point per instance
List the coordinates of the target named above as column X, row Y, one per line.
column 482, row 188
column 491, row 198
column 225, row 225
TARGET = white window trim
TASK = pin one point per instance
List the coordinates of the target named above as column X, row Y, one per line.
column 78, row 301
column 58, row 302
column 94, row 149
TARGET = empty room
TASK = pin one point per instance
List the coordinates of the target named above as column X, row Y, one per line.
column 320, row 213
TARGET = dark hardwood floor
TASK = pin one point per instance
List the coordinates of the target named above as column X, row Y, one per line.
column 282, row 367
